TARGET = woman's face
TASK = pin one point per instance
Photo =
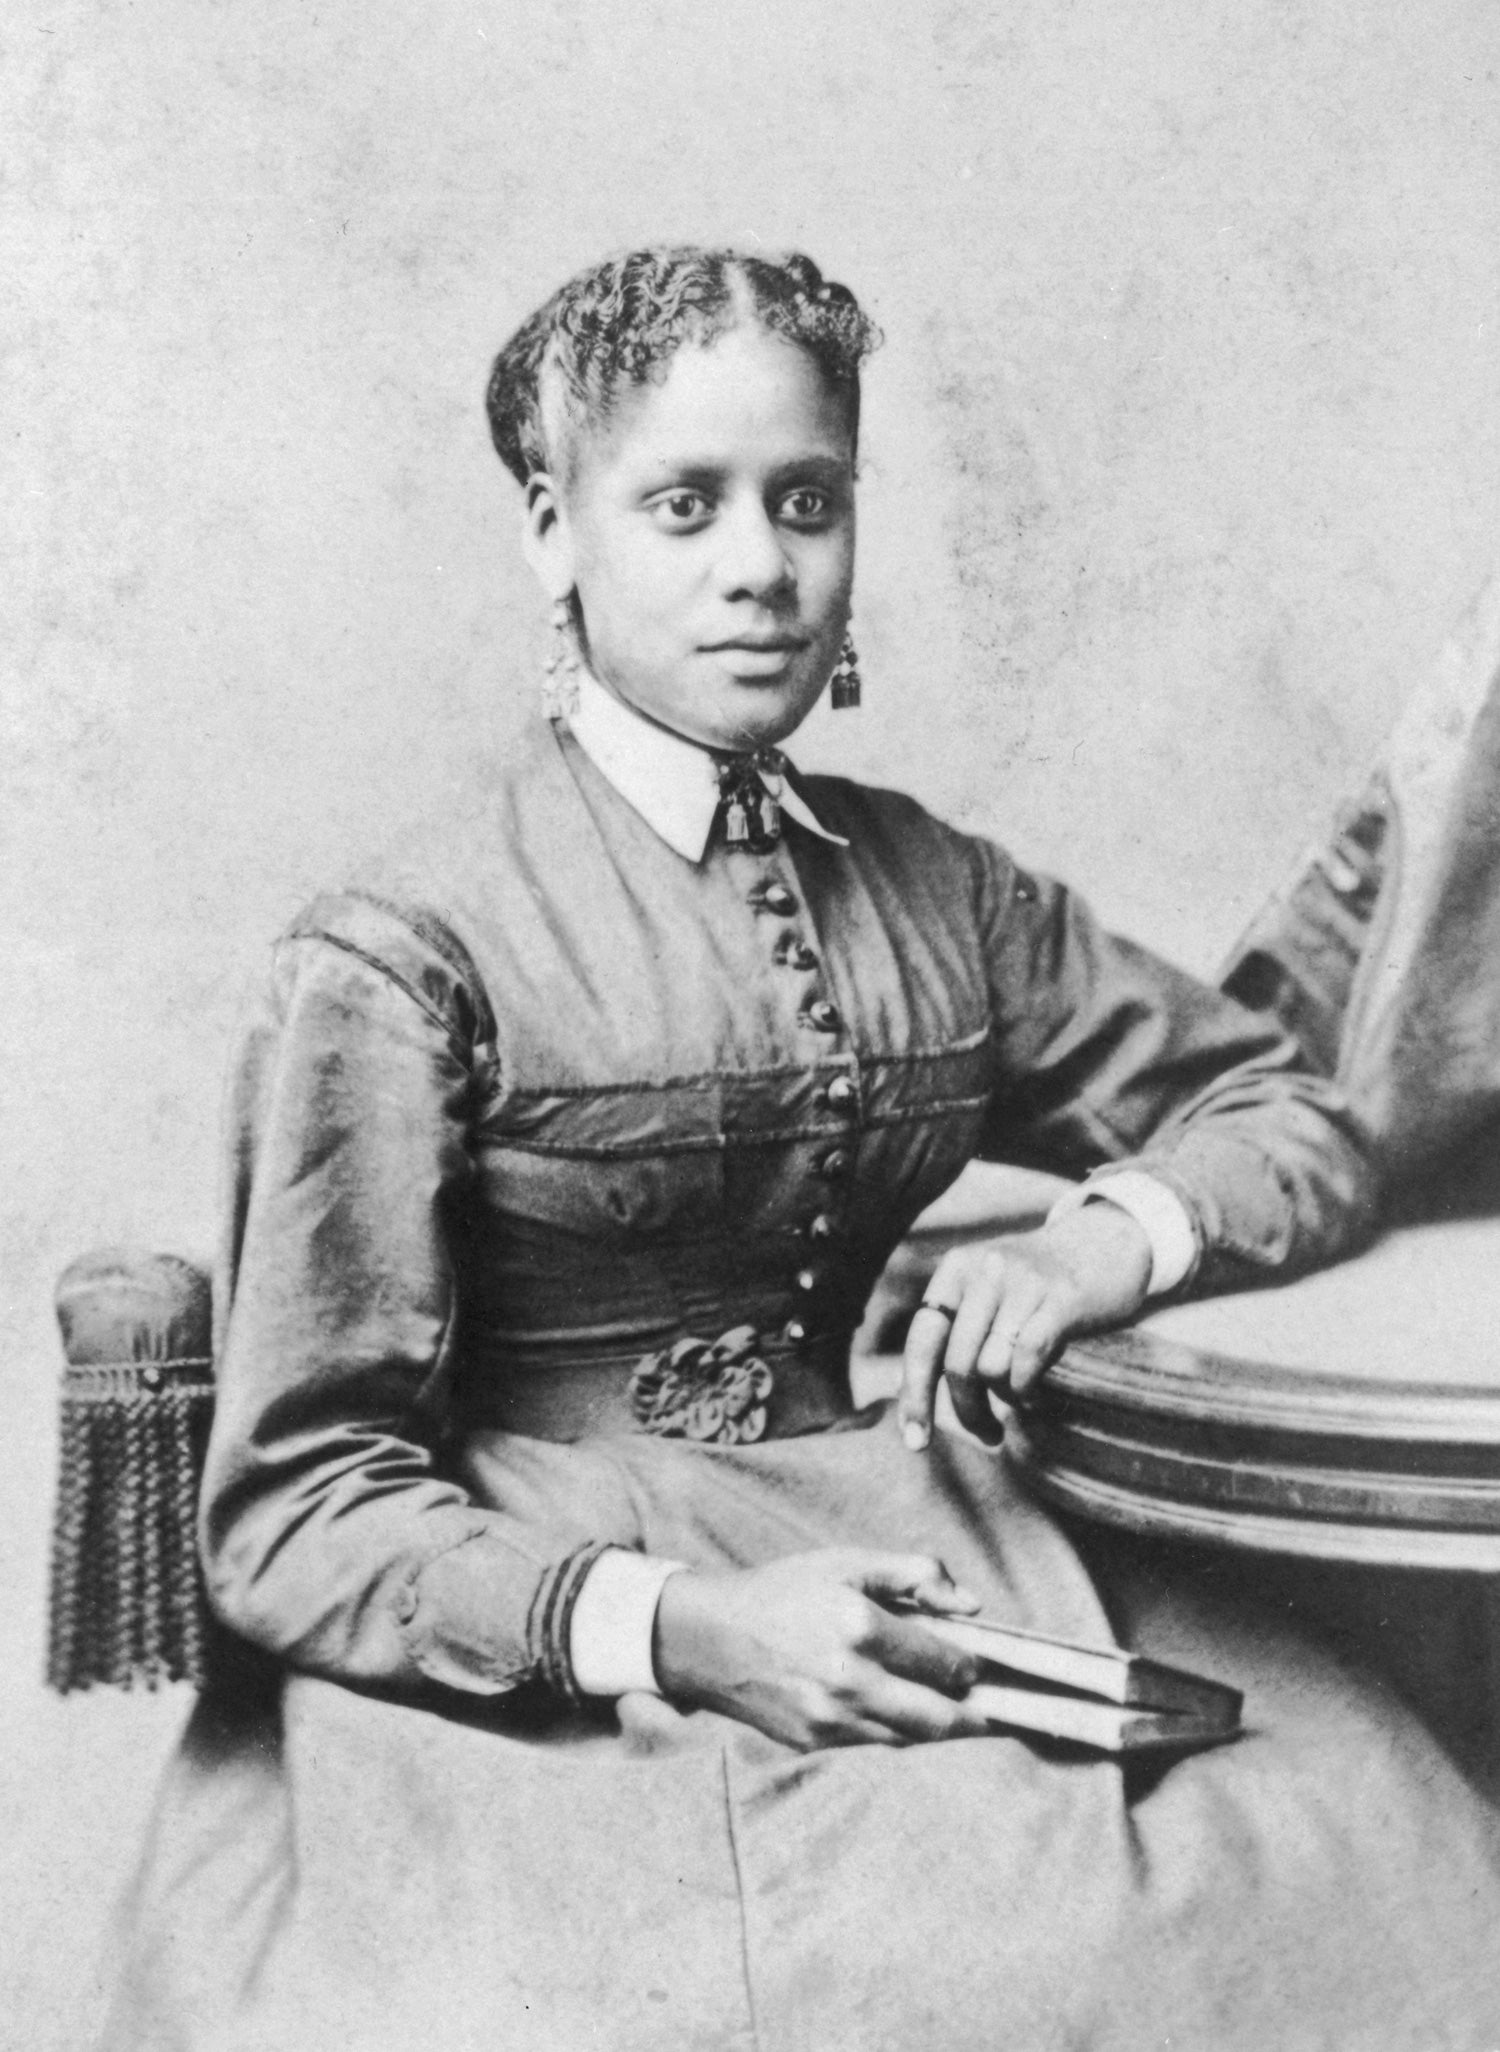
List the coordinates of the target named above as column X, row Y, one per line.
column 708, row 532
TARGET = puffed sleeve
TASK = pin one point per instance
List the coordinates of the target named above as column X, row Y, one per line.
column 330, row 1537
column 1108, row 1055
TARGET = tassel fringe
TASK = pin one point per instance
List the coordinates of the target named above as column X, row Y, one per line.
column 128, row 1604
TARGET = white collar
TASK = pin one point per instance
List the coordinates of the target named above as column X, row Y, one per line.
column 671, row 782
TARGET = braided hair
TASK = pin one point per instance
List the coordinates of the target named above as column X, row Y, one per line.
column 617, row 325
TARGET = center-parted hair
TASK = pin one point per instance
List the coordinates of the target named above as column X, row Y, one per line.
column 617, row 325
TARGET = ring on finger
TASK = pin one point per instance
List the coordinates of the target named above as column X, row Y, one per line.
column 943, row 1310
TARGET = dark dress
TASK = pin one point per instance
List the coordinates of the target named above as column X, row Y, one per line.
column 539, row 1101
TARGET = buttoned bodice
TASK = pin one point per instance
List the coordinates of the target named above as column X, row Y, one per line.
column 706, row 1094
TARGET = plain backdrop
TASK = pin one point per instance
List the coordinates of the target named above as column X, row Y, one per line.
column 1183, row 449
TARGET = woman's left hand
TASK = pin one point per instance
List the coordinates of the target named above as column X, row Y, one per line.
column 997, row 1314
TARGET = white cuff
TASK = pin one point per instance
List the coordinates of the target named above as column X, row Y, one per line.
column 614, row 1615
column 1157, row 1210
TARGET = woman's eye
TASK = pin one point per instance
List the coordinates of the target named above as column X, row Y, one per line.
column 805, row 506
column 681, row 509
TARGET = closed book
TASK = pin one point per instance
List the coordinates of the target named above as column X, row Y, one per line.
column 1102, row 1727
column 1130, row 1679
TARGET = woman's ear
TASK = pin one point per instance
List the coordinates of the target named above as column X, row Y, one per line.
column 547, row 537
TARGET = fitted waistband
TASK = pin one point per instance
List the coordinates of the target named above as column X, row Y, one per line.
column 571, row 1400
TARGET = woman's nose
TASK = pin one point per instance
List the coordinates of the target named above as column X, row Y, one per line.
column 752, row 561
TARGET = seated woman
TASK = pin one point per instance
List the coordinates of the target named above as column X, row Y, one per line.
column 599, row 1710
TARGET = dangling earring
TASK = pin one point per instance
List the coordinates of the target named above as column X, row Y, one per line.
column 844, row 691
column 560, row 683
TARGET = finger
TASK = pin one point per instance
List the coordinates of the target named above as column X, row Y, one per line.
column 925, row 1341
column 995, row 1355
column 971, row 1406
column 859, row 1731
column 914, row 1714
column 1024, row 1298
column 907, row 1647
column 911, row 1578
column 1037, row 1346
column 977, row 1311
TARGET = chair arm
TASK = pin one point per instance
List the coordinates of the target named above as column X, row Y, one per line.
column 126, row 1603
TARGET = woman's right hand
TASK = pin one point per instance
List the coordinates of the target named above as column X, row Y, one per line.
column 802, row 1649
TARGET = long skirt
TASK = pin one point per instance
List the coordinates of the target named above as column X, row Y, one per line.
column 335, row 1871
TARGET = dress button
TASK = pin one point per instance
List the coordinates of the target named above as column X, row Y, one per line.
column 1342, row 874
column 777, row 898
column 795, row 1331
column 834, row 1162
column 821, row 1228
column 824, row 1016
column 806, row 1280
column 800, row 956
column 840, row 1091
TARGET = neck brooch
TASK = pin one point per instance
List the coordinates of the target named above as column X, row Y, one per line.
column 750, row 789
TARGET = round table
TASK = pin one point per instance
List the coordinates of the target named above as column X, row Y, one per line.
column 1351, row 1416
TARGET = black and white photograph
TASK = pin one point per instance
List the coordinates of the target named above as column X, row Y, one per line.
column 750, row 1120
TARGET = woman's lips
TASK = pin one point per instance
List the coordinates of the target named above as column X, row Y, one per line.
column 757, row 644
column 757, row 656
